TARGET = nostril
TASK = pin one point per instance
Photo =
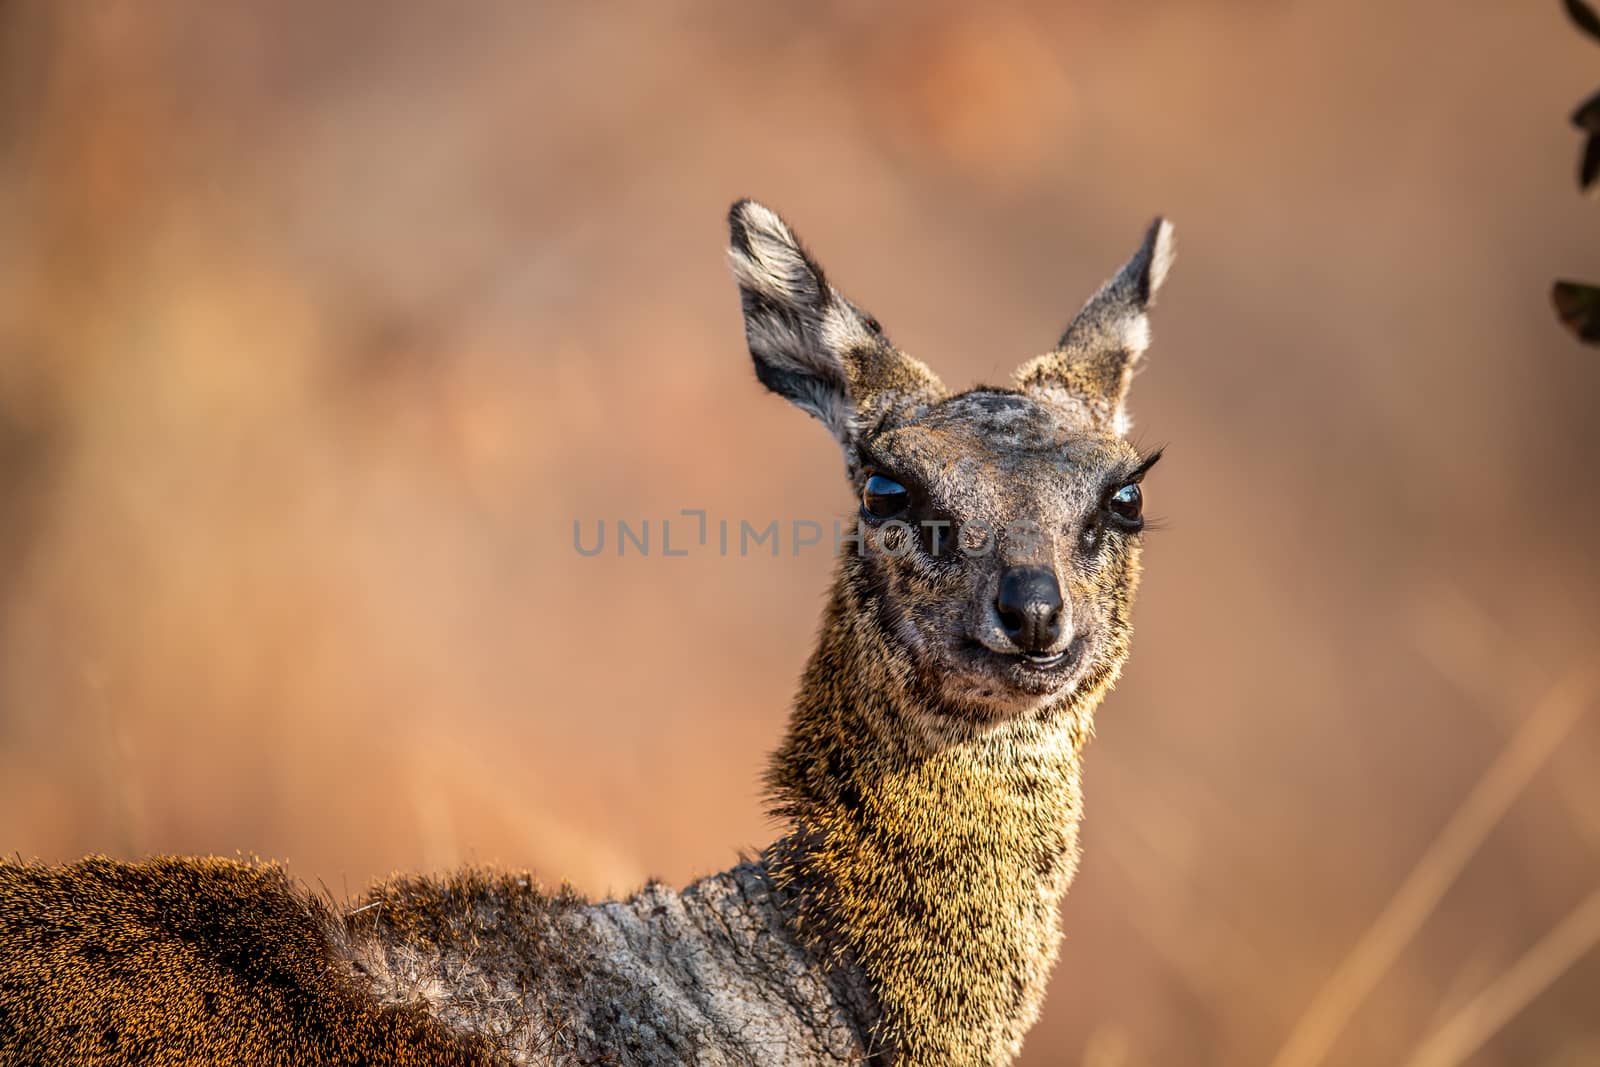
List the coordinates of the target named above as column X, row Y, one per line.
column 1050, row 623
column 1012, row 621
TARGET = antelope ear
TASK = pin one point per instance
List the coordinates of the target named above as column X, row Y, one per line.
column 1092, row 364
column 810, row 344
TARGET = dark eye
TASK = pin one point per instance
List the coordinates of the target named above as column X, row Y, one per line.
column 884, row 498
column 1126, row 503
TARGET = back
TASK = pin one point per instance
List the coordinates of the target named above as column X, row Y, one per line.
column 188, row 960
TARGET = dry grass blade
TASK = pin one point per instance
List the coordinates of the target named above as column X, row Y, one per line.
column 1435, row 871
column 1514, row 990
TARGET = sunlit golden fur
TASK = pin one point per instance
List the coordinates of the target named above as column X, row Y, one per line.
column 180, row 962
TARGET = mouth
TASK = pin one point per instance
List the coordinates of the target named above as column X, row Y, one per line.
column 1037, row 674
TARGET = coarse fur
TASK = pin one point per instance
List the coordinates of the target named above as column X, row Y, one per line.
column 930, row 784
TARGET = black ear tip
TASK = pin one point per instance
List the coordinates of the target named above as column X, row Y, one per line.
column 1154, row 258
column 1158, row 232
column 738, row 233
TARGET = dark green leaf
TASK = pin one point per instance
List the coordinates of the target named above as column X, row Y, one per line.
column 1585, row 18
column 1587, row 117
column 1589, row 165
column 1579, row 307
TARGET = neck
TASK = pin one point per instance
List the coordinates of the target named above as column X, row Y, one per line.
column 934, row 865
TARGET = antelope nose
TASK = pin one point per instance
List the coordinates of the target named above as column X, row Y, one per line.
column 1029, row 604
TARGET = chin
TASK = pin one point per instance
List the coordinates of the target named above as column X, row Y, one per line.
column 996, row 687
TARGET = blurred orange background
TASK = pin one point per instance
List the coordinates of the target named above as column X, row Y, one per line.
column 320, row 324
